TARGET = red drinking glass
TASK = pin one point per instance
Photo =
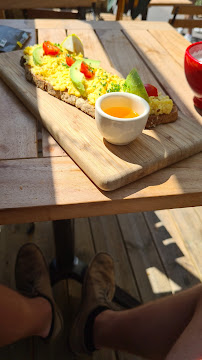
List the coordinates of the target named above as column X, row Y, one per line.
column 193, row 70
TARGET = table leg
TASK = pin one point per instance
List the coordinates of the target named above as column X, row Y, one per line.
column 66, row 265
column 82, row 13
column 144, row 14
column 120, row 9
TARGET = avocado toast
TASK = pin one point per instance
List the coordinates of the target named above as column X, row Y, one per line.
column 80, row 81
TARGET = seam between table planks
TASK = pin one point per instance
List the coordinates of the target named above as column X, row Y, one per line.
column 56, row 149
column 49, row 145
column 81, row 25
column 153, row 51
column 124, row 39
column 26, row 145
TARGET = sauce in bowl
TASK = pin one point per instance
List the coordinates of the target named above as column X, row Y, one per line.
column 121, row 112
column 121, row 117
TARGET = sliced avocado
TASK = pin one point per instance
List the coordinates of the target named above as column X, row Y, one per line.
column 134, row 85
column 94, row 63
column 77, row 77
column 38, row 55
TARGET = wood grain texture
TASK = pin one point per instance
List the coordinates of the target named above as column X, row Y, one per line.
column 149, row 273
column 116, row 46
column 51, row 14
column 77, row 24
column 24, row 4
column 23, row 122
column 169, row 2
column 169, row 73
column 189, row 224
column 188, row 9
column 23, row 127
column 168, row 39
column 49, row 146
column 13, row 236
column 120, row 9
column 173, row 253
column 90, row 42
column 55, row 188
column 108, row 166
column 174, row 243
column 189, row 23
column 108, row 238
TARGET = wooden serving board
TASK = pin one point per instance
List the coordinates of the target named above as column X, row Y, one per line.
column 108, row 166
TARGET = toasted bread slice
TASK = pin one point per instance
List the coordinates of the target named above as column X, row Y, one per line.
column 84, row 105
column 79, row 102
column 154, row 120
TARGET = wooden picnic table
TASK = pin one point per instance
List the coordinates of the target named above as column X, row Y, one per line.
column 169, row 2
column 40, row 182
column 121, row 5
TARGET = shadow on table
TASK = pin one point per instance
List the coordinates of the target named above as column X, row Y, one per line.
column 126, row 38
column 47, row 172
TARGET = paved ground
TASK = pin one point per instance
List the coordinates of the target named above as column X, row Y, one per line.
column 159, row 13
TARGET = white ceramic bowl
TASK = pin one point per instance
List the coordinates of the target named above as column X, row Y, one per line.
column 121, row 131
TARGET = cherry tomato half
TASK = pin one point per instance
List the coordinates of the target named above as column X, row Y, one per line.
column 70, row 60
column 86, row 70
column 151, row 90
column 50, row 49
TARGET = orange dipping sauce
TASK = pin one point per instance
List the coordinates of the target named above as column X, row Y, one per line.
column 121, row 112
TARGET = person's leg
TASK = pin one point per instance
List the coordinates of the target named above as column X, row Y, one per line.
column 32, row 310
column 21, row 317
column 189, row 344
column 151, row 329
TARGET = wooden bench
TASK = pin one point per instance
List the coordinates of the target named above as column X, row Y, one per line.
column 188, row 22
column 48, row 8
column 169, row 2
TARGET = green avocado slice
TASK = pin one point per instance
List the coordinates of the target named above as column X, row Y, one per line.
column 93, row 63
column 77, row 77
column 38, row 55
column 134, row 85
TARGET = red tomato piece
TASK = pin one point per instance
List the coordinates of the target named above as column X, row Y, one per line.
column 50, row 49
column 86, row 70
column 151, row 90
column 70, row 60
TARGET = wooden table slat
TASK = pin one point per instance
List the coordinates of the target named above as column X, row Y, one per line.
column 51, row 189
column 168, row 39
column 55, row 188
column 23, row 128
column 166, row 69
column 49, row 145
column 11, row 4
column 90, row 42
column 23, row 122
column 81, row 25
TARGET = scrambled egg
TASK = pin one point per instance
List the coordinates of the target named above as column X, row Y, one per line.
column 55, row 71
column 160, row 104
